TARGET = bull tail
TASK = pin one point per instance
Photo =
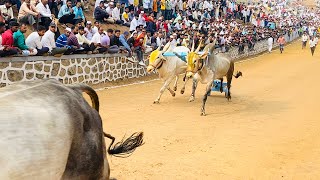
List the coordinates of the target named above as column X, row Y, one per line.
column 91, row 92
column 238, row 74
column 125, row 147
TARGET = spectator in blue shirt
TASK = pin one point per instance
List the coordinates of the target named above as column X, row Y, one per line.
column 123, row 40
column 78, row 13
column 66, row 14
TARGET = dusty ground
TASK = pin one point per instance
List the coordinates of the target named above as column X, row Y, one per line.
column 270, row 129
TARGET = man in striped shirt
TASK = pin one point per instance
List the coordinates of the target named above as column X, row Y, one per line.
column 62, row 41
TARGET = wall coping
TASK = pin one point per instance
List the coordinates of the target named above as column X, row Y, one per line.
column 50, row 58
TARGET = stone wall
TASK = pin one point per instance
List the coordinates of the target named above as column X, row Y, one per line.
column 89, row 69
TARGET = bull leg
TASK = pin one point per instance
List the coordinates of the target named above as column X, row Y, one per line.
column 205, row 97
column 229, row 80
column 163, row 88
column 194, row 87
column 221, row 85
column 176, row 83
column 172, row 92
column 184, row 85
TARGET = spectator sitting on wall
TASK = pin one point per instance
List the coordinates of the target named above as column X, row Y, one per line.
column 78, row 13
column 28, row 14
column 96, row 40
column 6, row 11
column 89, row 32
column 48, row 40
column 66, row 14
column 115, row 42
column 84, row 42
column 138, row 48
column 5, row 49
column 33, row 41
column 45, row 13
column 73, row 40
column 62, row 41
column 123, row 40
column 19, row 41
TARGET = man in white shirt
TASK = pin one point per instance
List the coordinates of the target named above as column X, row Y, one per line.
column 44, row 10
column 270, row 43
column 312, row 44
column 6, row 11
column 134, row 24
column 96, row 40
column 89, row 32
column 115, row 14
column 141, row 20
column 304, row 40
column 48, row 40
column 33, row 41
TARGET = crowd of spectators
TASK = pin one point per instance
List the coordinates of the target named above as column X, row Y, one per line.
column 151, row 24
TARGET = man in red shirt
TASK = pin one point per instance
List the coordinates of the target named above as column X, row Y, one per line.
column 7, row 40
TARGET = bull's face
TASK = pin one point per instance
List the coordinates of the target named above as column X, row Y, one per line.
column 195, row 63
column 155, row 59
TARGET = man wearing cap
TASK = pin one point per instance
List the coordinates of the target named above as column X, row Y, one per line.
column 19, row 41
column 62, row 41
column 48, row 40
column 6, row 50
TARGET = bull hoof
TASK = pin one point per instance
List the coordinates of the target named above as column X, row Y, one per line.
column 175, row 88
column 174, row 94
column 191, row 99
column 182, row 91
column 156, row 102
column 203, row 114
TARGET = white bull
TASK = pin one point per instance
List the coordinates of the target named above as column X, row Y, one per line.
column 49, row 131
column 168, row 67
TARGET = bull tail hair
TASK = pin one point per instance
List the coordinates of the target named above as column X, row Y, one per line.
column 238, row 74
column 91, row 92
column 125, row 147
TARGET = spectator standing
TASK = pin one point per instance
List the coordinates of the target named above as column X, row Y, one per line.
column 312, row 44
column 28, row 14
column 33, row 41
column 304, row 40
column 5, row 49
column 281, row 42
column 270, row 42
column 19, row 41
column 48, row 40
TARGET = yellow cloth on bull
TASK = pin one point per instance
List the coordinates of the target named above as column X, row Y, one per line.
column 154, row 55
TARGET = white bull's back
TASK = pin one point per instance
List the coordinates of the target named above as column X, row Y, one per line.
column 35, row 138
column 35, row 131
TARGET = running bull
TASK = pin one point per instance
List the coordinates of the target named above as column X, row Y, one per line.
column 49, row 131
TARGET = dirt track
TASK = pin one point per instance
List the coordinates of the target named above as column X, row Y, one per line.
column 270, row 129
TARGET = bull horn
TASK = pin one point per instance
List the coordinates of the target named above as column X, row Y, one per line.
column 192, row 49
column 166, row 47
column 197, row 50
